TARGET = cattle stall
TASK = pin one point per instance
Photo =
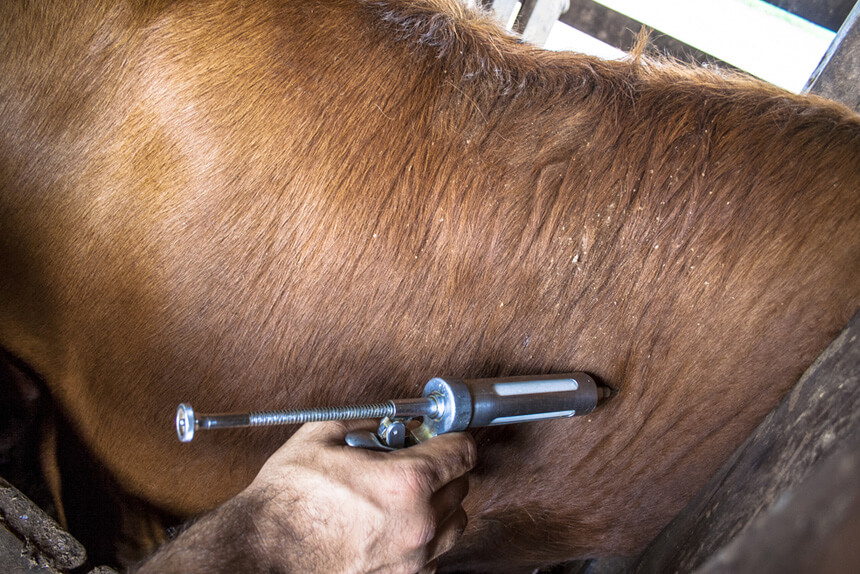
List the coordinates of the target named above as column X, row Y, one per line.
column 787, row 500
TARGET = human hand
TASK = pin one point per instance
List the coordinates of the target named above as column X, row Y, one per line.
column 329, row 507
column 318, row 505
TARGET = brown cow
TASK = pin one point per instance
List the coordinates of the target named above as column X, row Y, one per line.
column 293, row 203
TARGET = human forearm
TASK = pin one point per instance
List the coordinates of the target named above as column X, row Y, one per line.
column 224, row 540
column 318, row 505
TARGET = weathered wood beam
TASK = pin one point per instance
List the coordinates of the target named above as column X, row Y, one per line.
column 25, row 528
column 789, row 457
column 837, row 77
column 814, row 527
column 537, row 17
column 503, row 9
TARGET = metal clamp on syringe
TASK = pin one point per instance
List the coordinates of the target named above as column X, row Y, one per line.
column 446, row 405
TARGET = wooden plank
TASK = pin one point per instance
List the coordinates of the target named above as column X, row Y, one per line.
column 819, row 418
column 40, row 535
column 14, row 558
column 527, row 8
column 819, row 520
column 838, row 75
column 537, row 17
column 504, row 9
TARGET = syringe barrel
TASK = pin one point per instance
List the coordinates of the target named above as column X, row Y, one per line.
column 521, row 399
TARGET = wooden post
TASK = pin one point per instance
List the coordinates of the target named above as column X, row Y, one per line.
column 837, row 76
column 504, row 9
column 537, row 17
column 804, row 455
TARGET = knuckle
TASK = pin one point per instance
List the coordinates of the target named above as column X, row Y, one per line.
column 462, row 453
column 462, row 489
column 419, row 476
column 425, row 530
column 468, row 452
column 462, row 521
column 419, row 530
column 416, row 535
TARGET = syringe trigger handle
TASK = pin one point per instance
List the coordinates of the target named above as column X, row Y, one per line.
column 367, row 440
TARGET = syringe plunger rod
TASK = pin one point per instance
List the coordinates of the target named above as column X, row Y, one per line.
column 187, row 421
column 448, row 405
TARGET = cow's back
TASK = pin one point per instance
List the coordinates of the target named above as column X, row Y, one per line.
column 293, row 204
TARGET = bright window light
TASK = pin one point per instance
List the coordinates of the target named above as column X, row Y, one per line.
column 564, row 37
column 752, row 35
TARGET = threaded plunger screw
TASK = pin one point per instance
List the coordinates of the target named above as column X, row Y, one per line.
column 300, row 416
column 187, row 421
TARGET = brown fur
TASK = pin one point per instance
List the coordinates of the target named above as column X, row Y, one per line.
column 284, row 203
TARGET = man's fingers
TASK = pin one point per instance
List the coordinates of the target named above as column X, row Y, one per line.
column 441, row 459
column 429, row 568
column 447, row 534
column 447, row 499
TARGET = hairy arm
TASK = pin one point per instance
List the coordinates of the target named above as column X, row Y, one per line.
column 318, row 505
